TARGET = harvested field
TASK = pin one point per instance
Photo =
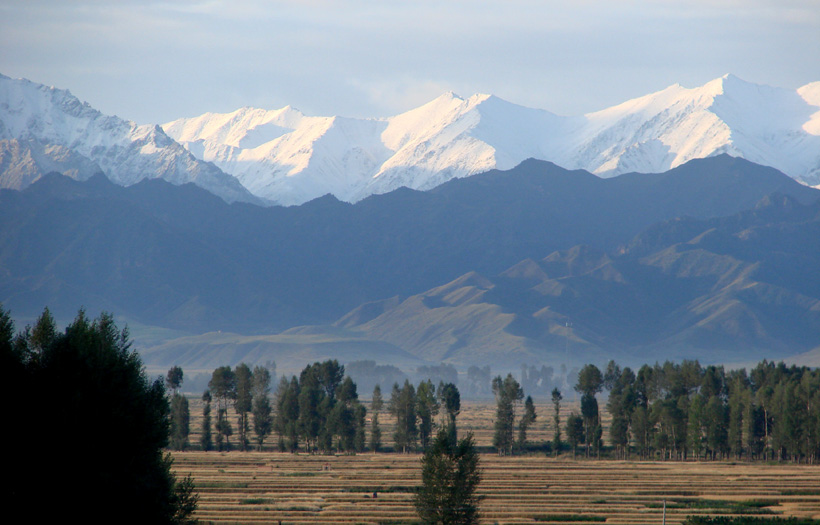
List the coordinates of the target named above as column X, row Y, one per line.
column 269, row 487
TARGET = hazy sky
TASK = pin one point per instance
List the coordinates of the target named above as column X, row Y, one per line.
column 156, row 61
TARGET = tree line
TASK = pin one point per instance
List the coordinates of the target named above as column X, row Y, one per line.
column 664, row 411
column 688, row 411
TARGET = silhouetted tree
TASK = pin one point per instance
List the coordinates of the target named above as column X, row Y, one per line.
column 89, row 384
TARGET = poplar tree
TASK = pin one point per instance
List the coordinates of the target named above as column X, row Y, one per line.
column 507, row 394
column 590, row 382
column 180, row 422
column 402, row 406
column 427, row 407
column 376, row 405
column 205, row 439
column 223, row 388
column 262, row 412
column 174, row 378
column 450, row 397
column 556, row 420
column 527, row 419
column 243, row 401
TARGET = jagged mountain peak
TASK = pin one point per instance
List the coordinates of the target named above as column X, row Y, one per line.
column 44, row 128
column 453, row 136
column 287, row 157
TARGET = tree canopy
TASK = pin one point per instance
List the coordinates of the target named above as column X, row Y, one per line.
column 97, row 424
column 450, row 476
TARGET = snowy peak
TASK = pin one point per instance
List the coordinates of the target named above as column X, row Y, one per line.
column 288, row 158
column 44, row 129
column 244, row 128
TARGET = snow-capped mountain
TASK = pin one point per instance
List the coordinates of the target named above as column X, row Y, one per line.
column 44, row 129
column 289, row 158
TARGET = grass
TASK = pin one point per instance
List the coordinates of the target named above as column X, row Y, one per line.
column 570, row 518
column 386, row 490
column 721, row 520
column 255, row 501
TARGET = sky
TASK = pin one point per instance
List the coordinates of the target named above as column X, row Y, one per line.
column 153, row 62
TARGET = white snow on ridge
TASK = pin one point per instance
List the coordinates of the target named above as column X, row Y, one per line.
column 49, row 118
column 286, row 157
column 451, row 137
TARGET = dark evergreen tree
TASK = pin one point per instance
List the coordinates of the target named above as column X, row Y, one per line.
column 450, row 397
column 89, row 384
column 43, row 333
column 574, row 431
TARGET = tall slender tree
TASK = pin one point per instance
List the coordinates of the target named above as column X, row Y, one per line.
column 180, row 415
column 223, row 388
column 527, row 419
column 508, row 393
column 402, row 406
column 180, row 422
column 590, row 382
column 556, row 421
column 243, row 401
column 427, row 407
column 205, row 439
column 262, row 411
column 376, row 406
column 450, row 397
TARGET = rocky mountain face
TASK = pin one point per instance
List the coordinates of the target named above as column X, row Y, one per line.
column 43, row 129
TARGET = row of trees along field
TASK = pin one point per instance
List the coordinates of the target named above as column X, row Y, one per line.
column 670, row 411
column 683, row 411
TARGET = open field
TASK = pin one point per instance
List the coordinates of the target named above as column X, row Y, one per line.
column 266, row 487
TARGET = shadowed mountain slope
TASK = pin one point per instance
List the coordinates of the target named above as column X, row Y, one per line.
column 178, row 257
